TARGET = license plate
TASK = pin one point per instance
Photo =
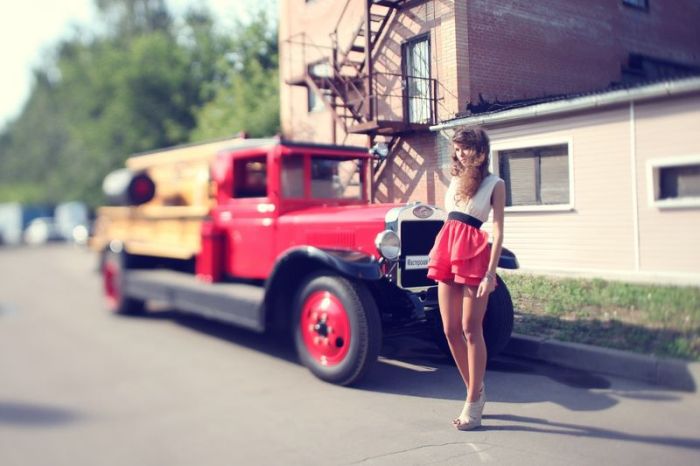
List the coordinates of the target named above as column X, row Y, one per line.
column 416, row 262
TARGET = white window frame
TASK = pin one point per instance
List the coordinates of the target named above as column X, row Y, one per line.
column 654, row 183
column 417, row 107
column 525, row 143
column 314, row 103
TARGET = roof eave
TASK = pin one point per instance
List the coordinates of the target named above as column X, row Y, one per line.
column 668, row 88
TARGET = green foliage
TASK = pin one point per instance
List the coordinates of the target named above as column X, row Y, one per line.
column 144, row 82
column 129, row 18
column 247, row 98
column 21, row 192
column 655, row 319
column 249, row 103
column 659, row 304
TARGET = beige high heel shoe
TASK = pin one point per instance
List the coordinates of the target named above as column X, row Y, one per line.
column 470, row 417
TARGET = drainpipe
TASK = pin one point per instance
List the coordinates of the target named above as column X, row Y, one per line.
column 334, row 72
column 368, row 58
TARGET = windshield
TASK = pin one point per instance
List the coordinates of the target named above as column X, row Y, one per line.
column 329, row 178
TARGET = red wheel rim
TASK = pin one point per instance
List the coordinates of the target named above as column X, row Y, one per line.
column 325, row 328
column 111, row 276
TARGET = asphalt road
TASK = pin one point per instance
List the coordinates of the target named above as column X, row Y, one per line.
column 81, row 387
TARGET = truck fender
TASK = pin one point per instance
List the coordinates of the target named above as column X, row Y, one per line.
column 508, row 259
column 351, row 264
column 295, row 264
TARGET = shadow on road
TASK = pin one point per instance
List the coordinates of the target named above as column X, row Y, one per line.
column 34, row 415
column 533, row 424
column 264, row 343
column 426, row 372
column 411, row 365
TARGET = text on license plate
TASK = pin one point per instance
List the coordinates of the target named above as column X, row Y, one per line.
column 416, row 262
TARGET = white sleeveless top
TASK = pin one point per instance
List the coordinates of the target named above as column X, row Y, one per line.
column 479, row 205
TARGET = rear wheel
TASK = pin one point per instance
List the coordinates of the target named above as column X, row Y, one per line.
column 498, row 322
column 337, row 330
column 118, row 302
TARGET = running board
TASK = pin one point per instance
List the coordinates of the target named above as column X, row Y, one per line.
column 236, row 303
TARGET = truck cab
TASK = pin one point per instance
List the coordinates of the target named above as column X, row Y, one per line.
column 270, row 198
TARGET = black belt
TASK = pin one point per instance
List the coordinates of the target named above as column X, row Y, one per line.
column 465, row 218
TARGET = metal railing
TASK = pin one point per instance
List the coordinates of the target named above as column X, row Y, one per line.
column 404, row 98
column 394, row 97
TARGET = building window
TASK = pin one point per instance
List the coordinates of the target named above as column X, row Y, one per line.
column 319, row 73
column 416, row 59
column 536, row 176
column 674, row 182
column 314, row 102
column 641, row 4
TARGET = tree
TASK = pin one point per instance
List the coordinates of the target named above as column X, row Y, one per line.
column 25, row 159
column 140, row 83
column 247, row 97
column 130, row 18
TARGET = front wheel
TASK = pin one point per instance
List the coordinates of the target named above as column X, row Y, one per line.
column 337, row 329
column 498, row 322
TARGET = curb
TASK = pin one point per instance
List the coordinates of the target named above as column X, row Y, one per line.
column 665, row 372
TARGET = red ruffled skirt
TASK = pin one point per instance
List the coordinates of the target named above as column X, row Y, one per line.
column 460, row 254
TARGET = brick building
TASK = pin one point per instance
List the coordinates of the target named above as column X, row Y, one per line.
column 426, row 62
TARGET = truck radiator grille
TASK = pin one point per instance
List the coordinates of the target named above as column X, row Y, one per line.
column 417, row 238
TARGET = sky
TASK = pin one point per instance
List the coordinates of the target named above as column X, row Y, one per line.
column 28, row 29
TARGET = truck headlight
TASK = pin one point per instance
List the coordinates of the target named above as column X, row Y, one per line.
column 388, row 244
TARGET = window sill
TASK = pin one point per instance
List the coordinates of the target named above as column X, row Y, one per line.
column 541, row 208
column 680, row 203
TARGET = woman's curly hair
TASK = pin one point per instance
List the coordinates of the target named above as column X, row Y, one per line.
column 476, row 167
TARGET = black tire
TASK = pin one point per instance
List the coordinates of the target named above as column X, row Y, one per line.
column 498, row 322
column 438, row 332
column 355, row 357
column 118, row 302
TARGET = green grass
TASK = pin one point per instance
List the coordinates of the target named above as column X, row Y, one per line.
column 650, row 319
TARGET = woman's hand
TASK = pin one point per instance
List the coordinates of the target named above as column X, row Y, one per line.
column 487, row 285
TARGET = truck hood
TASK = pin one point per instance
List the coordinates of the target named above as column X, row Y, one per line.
column 341, row 215
column 345, row 227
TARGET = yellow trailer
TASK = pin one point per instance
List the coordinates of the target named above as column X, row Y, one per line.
column 169, row 224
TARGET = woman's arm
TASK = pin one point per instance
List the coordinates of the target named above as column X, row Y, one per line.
column 498, row 202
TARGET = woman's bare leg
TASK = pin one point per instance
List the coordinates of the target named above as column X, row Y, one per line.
column 473, row 311
column 450, row 296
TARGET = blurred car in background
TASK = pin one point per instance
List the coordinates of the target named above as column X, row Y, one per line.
column 16, row 217
column 72, row 221
column 41, row 230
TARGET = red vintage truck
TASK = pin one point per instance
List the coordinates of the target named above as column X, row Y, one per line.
column 280, row 236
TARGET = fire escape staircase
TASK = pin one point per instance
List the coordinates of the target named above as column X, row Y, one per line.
column 344, row 81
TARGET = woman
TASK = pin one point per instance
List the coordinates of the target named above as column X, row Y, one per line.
column 464, row 264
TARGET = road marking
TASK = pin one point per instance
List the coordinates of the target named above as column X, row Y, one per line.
column 407, row 365
column 480, row 450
